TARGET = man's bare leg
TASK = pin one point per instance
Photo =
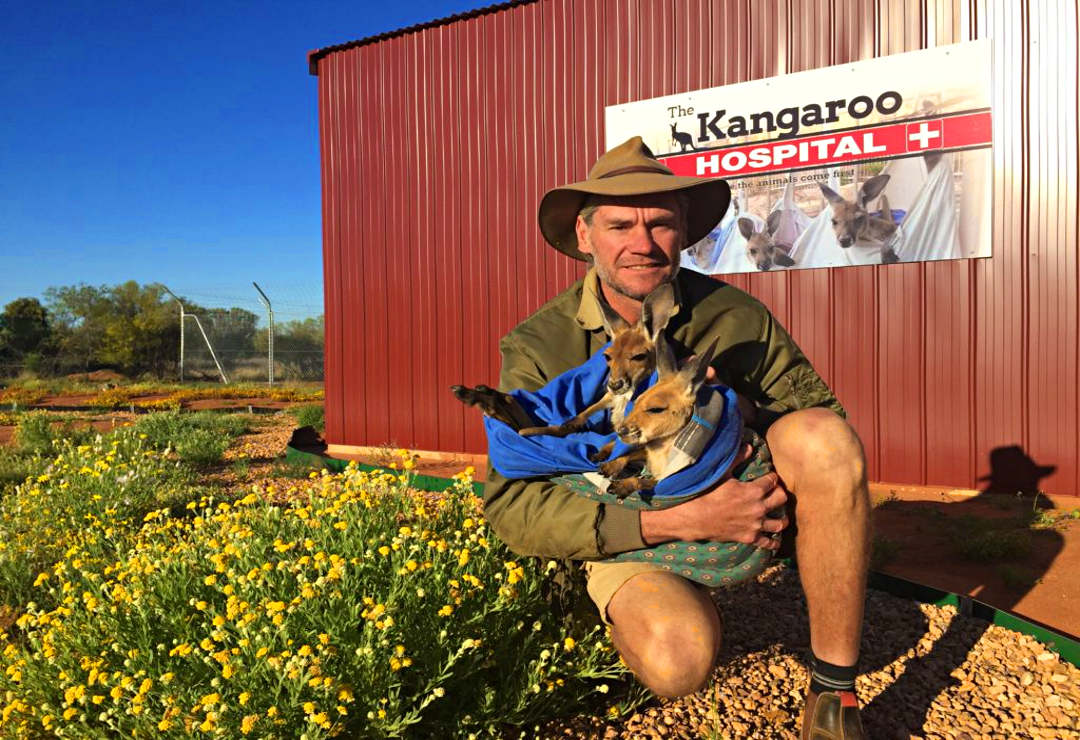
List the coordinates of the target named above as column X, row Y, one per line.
column 667, row 631
column 821, row 461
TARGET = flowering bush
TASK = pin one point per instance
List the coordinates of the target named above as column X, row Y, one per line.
column 85, row 504
column 176, row 395
column 361, row 608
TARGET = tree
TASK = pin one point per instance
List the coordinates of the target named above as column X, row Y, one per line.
column 25, row 333
column 25, row 325
column 127, row 327
column 298, row 346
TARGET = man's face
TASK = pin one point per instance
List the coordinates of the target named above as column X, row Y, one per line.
column 634, row 242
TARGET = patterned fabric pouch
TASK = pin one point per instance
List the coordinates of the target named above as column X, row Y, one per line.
column 708, row 563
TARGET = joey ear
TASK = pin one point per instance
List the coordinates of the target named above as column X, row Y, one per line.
column 613, row 322
column 830, row 195
column 872, row 188
column 746, row 227
column 656, row 309
column 773, row 222
column 665, row 357
column 694, row 373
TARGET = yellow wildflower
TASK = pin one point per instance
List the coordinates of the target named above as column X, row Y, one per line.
column 247, row 724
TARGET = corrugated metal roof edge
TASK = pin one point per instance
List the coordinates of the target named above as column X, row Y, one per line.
column 315, row 55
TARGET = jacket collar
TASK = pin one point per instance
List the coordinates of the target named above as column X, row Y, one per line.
column 589, row 316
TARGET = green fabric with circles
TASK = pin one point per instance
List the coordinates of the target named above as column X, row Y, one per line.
column 708, row 563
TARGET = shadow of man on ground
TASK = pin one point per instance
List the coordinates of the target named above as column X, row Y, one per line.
column 993, row 547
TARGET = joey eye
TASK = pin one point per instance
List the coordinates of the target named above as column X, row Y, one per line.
column 639, row 357
column 834, row 222
column 655, row 410
column 607, row 356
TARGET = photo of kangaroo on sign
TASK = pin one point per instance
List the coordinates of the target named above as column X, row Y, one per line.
column 871, row 163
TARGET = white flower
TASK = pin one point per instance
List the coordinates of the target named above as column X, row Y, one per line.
column 439, row 692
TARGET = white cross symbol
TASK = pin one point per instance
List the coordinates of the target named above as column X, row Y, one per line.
column 923, row 135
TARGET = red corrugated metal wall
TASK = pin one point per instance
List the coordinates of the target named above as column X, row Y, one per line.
column 437, row 145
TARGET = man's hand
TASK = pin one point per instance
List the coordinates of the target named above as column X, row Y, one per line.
column 732, row 512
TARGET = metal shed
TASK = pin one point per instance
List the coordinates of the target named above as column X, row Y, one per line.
column 437, row 142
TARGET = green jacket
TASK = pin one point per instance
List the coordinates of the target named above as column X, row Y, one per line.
column 755, row 356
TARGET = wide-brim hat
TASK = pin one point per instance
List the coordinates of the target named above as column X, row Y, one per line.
column 630, row 169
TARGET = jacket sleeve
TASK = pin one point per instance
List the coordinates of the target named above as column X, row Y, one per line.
column 787, row 380
column 541, row 518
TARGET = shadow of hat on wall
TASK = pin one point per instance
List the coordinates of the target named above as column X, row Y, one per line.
column 1012, row 470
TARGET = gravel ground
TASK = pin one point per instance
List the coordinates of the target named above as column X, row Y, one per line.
column 927, row 673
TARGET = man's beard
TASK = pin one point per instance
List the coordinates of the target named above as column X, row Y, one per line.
column 626, row 292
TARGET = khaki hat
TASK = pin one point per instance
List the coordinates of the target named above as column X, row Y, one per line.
column 630, row 169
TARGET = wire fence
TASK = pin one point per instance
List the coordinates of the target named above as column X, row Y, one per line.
column 226, row 332
column 234, row 332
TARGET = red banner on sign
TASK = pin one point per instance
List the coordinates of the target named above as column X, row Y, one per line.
column 962, row 131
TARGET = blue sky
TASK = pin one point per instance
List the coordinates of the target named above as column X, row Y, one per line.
column 172, row 142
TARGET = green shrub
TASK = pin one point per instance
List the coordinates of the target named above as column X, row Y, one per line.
column 201, row 447
column 200, row 438
column 39, row 432
column 365, row 610
column 1017, row 578
column 993, row 544
column 882, row 552
column 34, row 433
column 293, row 468
column 14, row 468
column 312, row 415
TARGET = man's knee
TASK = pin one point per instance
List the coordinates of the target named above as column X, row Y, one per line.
column 811, row 443
column 668, row 632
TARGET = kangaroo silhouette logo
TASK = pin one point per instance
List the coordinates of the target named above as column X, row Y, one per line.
column 682, row 138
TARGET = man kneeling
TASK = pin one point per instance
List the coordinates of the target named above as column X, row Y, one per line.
column 630, row 220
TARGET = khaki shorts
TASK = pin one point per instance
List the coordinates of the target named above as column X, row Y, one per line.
column 605, row 578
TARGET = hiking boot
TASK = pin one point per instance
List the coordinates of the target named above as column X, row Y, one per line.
column 832, row 715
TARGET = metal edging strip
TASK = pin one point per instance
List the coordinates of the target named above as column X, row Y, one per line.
column 423, row 482
column 1067, row 646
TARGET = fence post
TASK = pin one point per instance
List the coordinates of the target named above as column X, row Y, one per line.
column 270, row 336
column 181, row 331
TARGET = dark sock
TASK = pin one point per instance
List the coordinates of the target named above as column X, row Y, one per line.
column 829, row 677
